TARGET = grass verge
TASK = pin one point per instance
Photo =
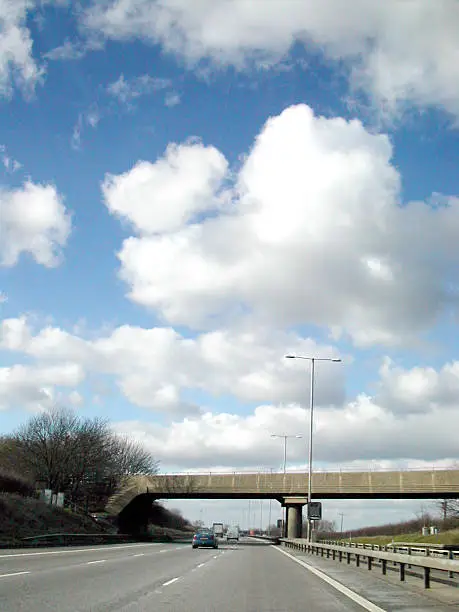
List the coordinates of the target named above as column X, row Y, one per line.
column 446, row 537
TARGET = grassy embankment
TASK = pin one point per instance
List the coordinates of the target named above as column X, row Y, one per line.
column 22, row 515
column 446, row 537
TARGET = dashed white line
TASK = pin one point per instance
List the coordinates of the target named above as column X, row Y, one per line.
column 139, row 555
column 215, row 556
column 170, row 581
column 13, row 574
column 98, row 561
column 164, row 550
column 201, row 564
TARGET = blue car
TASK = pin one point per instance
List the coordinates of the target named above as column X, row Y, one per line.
column 204, row 539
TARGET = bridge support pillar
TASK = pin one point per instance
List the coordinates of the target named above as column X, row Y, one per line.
column 294, row 512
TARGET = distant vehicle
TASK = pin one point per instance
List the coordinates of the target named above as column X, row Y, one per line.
column 205, row 539
column 218, row 530
column 232, row 534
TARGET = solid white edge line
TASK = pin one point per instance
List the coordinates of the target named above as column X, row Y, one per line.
column 13, row 574
column 365, row 603
column 76, row 550
column 170, row 581
column 98, row 561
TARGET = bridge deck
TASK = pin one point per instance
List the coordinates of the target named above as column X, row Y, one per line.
column 331, row 485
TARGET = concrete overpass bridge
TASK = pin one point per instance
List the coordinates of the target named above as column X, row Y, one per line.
column 289, row 489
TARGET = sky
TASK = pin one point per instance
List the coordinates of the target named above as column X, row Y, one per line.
column 189, row 191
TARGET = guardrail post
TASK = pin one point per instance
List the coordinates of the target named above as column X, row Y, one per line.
column 334, row 554
column 369, row 562
column 450, row 556
column 340, row 555
column 321, row 552
column 384, row 566
column 348, row 557
column 427, row 577
column 402, row 572
column 328, row 553
column 357, row 560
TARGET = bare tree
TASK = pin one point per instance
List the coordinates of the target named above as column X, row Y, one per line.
column 79, row 456
column 130, row 458
column 46, row 445
column 448, row 508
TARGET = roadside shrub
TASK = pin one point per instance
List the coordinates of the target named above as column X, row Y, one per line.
column 14, row 483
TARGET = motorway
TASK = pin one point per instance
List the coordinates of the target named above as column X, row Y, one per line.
column 245, row 577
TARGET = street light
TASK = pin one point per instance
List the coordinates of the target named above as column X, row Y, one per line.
column 286, row 437
column 341, row 514
column 311, row 415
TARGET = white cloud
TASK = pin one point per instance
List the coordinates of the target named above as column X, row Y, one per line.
column 360, row 434
column 33, row 387
column 415, row 389
column 164, row 196
column 18, row 66
column 410, row 421
column 126, row 90
column 397, row 51
column 33, row 220
column 309, row 231
column 153, row 367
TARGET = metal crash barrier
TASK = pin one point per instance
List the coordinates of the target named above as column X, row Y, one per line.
column 426, row 560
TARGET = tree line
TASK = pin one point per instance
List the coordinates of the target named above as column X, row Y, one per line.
column 79, row 456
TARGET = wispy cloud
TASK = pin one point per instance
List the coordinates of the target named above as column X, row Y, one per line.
column 172, row 98
column 89, row 118
column 72, row 50
column 127, row 90
column 11, row 165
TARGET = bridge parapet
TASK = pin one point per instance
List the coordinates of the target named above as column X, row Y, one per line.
column 325, row 485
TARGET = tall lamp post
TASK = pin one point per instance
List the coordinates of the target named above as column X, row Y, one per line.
column 311, row 421
column 285, row 437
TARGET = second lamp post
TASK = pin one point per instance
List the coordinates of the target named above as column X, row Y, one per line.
column 311, row 415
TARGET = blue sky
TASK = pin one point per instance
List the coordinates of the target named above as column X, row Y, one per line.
column 187, row 196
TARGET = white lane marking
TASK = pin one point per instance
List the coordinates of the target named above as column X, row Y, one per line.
column 164, row 550
column 75, row 550
column 215, row 557
column 13, row 574
column 138, row 555
column 170, row 581
column 98, row 561
column 201, row 564
column 367, row 605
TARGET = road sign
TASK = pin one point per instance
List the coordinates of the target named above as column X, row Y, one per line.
column 315, row 511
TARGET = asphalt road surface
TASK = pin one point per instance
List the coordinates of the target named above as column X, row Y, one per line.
column 245, row 577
